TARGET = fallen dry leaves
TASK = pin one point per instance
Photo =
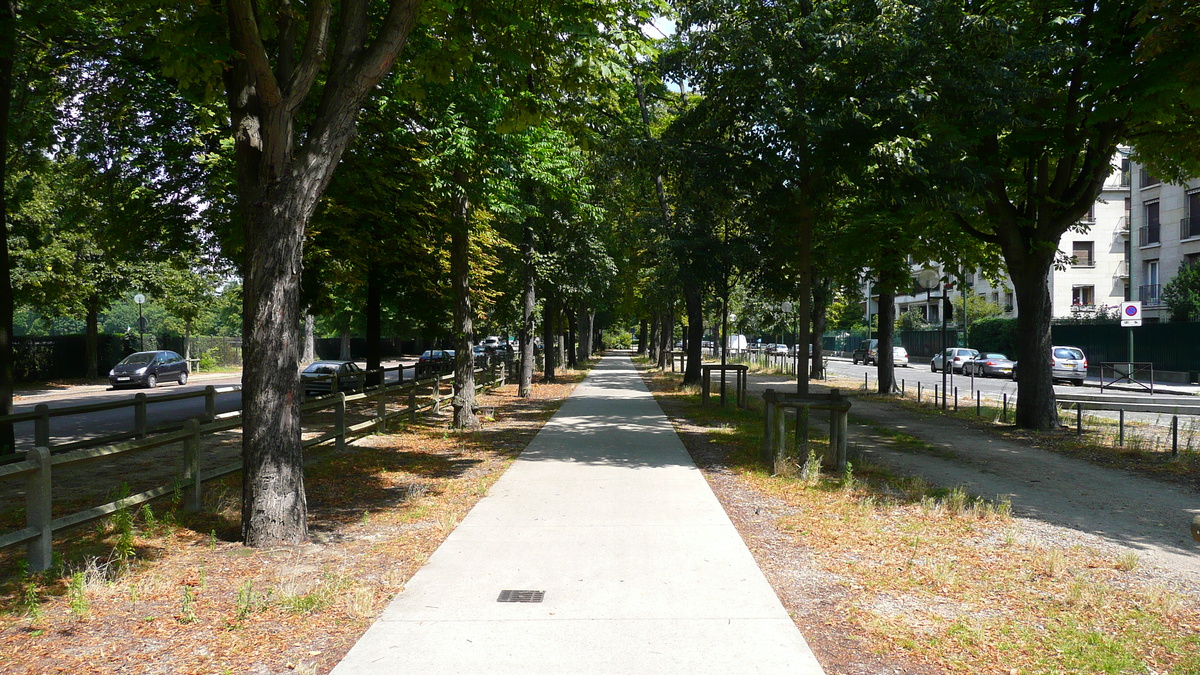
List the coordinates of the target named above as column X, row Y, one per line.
column 191, row 599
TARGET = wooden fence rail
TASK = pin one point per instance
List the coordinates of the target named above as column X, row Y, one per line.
column 38, row 465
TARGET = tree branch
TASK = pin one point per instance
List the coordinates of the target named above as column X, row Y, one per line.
column 301, row 81
column 246, row 38
column 352, row 34
column 982, row 236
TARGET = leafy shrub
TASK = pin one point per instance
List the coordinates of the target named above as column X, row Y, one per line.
column 995, row 334
column 1182, row 294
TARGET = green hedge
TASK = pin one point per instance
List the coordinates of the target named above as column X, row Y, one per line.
column 995, row 334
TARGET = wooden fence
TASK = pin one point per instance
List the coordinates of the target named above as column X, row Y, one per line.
column 38, row 465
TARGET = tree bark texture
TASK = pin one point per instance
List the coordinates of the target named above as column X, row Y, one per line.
column 652, row 345
column 693, row 298
column 374, row 310
column 886, row 366
column 666, row 336
column 91, row 340
column 1036, row 404
column 344, row 346
column 583, row 317
column 309, row 354
column 805, row 219
column 464, row 325
column 549, row 313
column 572, row 335
column 822, row 294
column 528, row 316
column 642, row 336
column 8, row 44
column 279, row 185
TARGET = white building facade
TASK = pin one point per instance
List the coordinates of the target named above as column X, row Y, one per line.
column 1165, row 235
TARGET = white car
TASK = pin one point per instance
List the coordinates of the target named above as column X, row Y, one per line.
column 899, row 356
column 956, row 356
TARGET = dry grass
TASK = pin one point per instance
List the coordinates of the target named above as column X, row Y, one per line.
column 944, row 578
column 377, row 512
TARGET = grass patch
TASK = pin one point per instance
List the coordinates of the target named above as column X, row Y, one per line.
column 943, row 577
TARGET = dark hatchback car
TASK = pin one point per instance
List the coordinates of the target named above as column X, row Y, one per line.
column 319, row 376
column 147, row 369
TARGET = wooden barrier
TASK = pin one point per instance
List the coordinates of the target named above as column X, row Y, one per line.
column 774, row 444
column 740, row 371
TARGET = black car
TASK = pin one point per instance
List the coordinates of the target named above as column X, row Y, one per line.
column 318, row 377
column 148, row 369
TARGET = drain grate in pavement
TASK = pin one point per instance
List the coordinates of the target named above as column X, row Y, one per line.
column 521, row 596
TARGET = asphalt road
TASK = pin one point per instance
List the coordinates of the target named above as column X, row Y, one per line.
column 109, row 422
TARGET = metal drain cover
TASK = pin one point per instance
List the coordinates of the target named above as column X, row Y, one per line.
column 521, row 596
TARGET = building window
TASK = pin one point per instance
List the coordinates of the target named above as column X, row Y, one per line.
column 1124, row 172
column 1150, row 291
column 1148, row 179
column 1082, row 254
column 1150, row 233
column 1190, row 225
column 1083, row 296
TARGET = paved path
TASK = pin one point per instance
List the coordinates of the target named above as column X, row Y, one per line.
column 642, row 570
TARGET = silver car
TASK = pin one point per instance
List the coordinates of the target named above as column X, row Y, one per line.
column 1068, row 363
column 989, row 363
column 955, row 356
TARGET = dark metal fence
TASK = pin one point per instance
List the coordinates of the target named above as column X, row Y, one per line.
column 1169, row 346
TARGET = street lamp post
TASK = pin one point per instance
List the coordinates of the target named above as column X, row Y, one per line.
column 140, row 299
column 929, row 280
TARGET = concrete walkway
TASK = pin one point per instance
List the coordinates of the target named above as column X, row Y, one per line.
column 642, row 570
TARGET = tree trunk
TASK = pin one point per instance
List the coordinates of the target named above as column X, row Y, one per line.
column 92, row 338
column 822, row 294
column 652, row 349
column 528, row 317
column 585, row 333
column 344, row 346
column 666, row 341
column 8, row 44
column 464, row 327
column 642, row 337
column 310, row 344
column 885, row 365
column 805, row 222
column 1036, row 404
column 548, row 333
column 693, row 297
column 374, row 310
column 279, row 185
column 572, row 344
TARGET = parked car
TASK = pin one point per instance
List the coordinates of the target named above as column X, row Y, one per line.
column 989, row 364
column 1068, row 364
column 867, row 351
column 956, row 356
column 899, row 356
column 148, row 369
column 491, row 342
column 779, row 349
column 317, row 378
column 431, row 356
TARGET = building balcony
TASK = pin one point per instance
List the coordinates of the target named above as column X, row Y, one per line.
column 1189, row 227
column 1150, row 235
column 1151, row 295
column 1122, row 229
column 1122, row 271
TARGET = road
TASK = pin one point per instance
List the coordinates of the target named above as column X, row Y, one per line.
column 109, row 422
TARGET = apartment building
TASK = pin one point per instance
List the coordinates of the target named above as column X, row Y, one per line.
column 1165, row 234
column 1094, row 257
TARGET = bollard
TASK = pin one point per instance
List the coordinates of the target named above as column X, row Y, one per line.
column 918, row 392
column 978, row 403
column 1004, row 415
column 37, row 510
column 381, row 412
column 139, row 415
column 1174, row 435
column 901, row 387
column 41, row 426
column 935, row 396
column 866, row 381
column 1078, row 419
column 1121, row 428
column 956, row 399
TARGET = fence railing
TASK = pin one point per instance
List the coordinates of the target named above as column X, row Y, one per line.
column 38, row 465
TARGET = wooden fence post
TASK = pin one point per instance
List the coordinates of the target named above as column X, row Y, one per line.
column 191, row 464
column 339, row 420
column 139, row 415
column 41, row 426
column 37, row 510
column 381, row 411
column 210, row 403
column 412, row 404
column 768, row 444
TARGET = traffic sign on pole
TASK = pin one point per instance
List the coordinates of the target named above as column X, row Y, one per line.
column 1131, row 313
